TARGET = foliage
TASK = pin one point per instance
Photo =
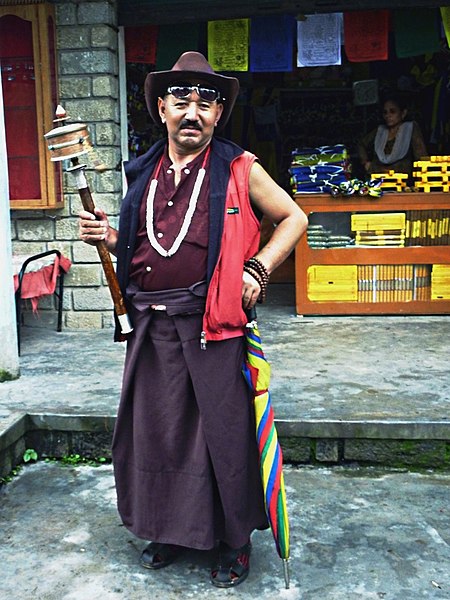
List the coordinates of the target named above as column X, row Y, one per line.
column 30, row 454
column 6, row 376
column 8, row 478
column 69, row 460
column 77, row 459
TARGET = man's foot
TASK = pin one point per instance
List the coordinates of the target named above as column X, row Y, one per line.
column 233, row 566
column 158, row 556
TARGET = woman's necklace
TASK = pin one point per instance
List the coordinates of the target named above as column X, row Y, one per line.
column 187, row 217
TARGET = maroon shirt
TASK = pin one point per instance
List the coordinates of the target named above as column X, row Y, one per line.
column 151, row 271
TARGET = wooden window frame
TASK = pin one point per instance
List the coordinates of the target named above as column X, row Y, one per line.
column 42, row 17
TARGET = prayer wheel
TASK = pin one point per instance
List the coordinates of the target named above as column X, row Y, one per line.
column 68, row 141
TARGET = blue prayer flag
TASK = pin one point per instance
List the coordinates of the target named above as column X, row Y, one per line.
column 272, row 43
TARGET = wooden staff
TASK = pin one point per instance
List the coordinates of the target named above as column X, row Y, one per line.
column 69, row 142
column 103, row 252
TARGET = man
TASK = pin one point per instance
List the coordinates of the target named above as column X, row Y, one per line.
column 189, row 264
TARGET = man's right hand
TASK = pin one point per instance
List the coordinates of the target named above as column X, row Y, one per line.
column 94, row 228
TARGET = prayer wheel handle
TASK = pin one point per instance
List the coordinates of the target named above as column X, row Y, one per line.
column 72, row 141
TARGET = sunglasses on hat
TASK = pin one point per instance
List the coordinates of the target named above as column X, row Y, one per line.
column 183, row 91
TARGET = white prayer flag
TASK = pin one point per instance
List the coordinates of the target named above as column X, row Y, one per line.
column 319, row 40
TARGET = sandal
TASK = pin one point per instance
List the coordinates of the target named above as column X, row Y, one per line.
column 233, row 566
column 158, row 556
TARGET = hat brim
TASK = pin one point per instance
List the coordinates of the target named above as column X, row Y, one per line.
column 156, row 85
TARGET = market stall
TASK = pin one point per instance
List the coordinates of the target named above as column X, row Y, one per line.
column 311, row 81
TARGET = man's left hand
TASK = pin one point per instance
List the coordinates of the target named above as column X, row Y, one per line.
column 250, row 291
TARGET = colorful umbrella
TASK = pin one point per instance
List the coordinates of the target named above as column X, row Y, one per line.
column 256, row 371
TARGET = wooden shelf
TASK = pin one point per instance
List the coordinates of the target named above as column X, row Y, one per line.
column 376, row 255
column 305, row 256
column 388, row 202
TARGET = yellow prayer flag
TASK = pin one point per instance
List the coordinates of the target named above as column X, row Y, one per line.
column 445, row 14
column 228, row 43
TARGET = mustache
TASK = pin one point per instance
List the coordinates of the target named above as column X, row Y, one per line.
column 186, row 124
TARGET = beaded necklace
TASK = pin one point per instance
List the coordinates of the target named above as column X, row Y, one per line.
column 187, row 217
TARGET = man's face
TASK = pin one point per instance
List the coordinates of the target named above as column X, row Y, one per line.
column 190, row 119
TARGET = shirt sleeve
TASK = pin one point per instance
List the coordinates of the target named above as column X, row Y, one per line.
column 418, row 143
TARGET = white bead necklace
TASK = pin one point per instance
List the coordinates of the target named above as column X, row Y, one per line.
column 187, row 217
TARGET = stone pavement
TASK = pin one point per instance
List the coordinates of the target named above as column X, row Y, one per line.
column 324, row 369
column 357, row 532
column 335, row 379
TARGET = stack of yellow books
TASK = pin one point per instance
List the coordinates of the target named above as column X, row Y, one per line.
column 385, row 283
column 394, row 283
column 422, row 282
column 432, row 175
column 440, row 282
column 427, row 227
column 391, row 181
column 379, row 229
column 331, row 283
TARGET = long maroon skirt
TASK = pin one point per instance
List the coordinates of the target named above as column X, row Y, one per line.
column 184, row 450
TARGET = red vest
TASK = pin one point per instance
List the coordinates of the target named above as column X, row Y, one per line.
column 224, row 317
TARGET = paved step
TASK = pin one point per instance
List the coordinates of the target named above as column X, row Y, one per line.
column 367, row 389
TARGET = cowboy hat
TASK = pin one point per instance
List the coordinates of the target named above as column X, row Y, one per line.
column 190, row 65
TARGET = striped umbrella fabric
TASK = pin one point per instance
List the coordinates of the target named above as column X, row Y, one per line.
column 256, row 371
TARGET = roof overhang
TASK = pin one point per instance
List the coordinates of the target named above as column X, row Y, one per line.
column 144, row 12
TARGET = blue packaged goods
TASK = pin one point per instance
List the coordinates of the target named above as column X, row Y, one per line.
column 317, row 170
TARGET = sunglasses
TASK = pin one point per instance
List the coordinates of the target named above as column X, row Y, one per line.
column 205, row 93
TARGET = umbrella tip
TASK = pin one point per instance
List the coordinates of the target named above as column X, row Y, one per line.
column 286, row 572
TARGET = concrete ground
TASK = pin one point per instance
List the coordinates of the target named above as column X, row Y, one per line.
column 382, row 368
column 356, row 533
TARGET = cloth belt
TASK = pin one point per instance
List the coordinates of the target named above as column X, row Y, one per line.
column 177, row 301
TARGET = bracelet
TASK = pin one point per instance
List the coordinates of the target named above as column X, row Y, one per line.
column 255, row 275
column 258, row 271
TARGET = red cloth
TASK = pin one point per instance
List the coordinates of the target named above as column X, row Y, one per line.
column 43, row 282
column 140, row 44
column 224, row 316
column 366, row 35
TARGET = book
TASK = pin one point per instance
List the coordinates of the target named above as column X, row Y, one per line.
column 378, row 221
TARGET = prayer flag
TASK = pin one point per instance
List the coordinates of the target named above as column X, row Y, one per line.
column 272, row 43
column 171, row 46
column 363, row 43
column 228, row 44
column 416, row 32
column 319, row 40
column 445, row 14
column 140, row 44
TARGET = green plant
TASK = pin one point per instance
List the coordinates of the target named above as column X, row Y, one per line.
column 13, row 473
column 77, row 459
column 29, row 454
column 7, row 376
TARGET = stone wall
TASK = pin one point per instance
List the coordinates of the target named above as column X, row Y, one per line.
column 87, row 51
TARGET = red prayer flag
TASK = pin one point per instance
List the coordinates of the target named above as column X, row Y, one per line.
column 364, row 43
column 140, row 44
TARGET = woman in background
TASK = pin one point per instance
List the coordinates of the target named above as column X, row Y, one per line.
column 394, row 145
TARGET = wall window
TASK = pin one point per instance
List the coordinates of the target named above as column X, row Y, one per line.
column 28, row 70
